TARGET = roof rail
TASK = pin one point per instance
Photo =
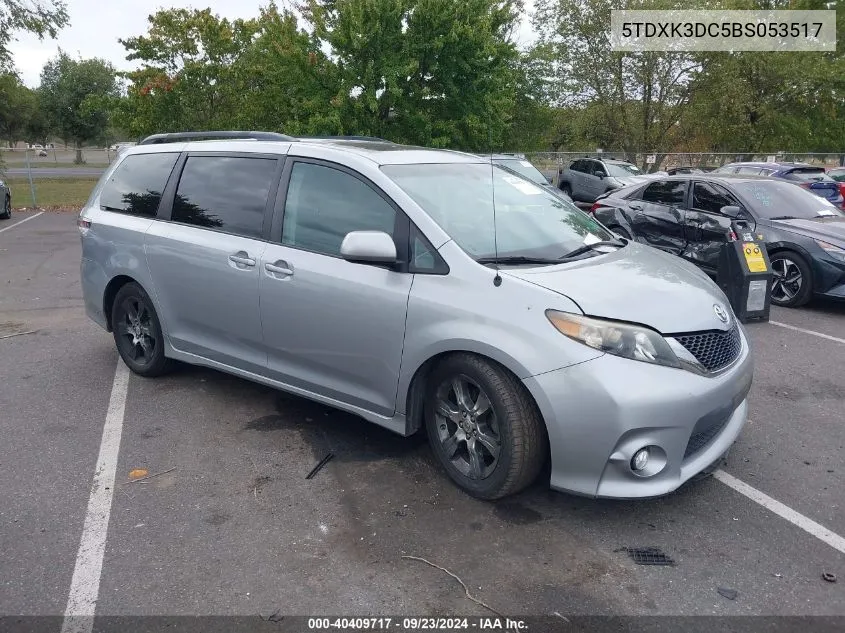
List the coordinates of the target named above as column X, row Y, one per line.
column 172, row 137
column 345, row 138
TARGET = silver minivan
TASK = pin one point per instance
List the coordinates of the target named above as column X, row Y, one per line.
column 420, row 288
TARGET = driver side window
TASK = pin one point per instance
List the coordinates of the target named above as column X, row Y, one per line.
column 711, row 198
column 324, row 204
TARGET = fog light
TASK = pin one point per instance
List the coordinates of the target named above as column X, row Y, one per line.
column 640, row 459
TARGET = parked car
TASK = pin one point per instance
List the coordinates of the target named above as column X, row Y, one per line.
column 41, row 153
column 691, row 217
column 838, row 174
column 587, row 178
column 807, row 176
column 524, row 169
column 677, row 171
column 6, row 197
column 382, row 280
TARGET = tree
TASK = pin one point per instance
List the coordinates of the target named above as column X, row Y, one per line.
column 76, row 95
column 633, row 99
column 433, row 72
column 42, row 17
column 187, row 81
column 18, row 105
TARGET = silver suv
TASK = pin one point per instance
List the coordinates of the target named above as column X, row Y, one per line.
column 384, row 280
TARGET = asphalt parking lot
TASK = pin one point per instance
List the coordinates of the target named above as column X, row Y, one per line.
column 232, row 527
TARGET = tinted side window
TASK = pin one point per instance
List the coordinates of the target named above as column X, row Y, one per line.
column 750, row 171
column 136, row 185
column 578, row 165
column 708, row 197
column 669, row 192
column 596, row 166
column 224, row 192
column 324, row 204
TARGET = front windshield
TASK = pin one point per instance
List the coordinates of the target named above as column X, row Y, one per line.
column 771, row 199
column 530, row 221
column 621, row 170
column 525, row 169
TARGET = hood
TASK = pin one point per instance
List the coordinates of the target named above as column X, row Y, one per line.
column 639, row 284
column 827, row 228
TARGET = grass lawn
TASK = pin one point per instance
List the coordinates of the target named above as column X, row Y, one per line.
column 51, row 192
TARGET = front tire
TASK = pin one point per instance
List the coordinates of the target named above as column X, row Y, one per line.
column 7, row 208
column 137, row 332
column 567, row 189
column 792, row 285
column 483, row 427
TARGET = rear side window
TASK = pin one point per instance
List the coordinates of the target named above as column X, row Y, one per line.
column 749, row 171
column 668, row 192
column 324, row 204
column 136, row 185
column 579, row 165
column 810, row 174
column 227, row 193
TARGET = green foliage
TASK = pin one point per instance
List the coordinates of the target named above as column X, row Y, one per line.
column 42, row 18
column 76, row 97
column 18, row 106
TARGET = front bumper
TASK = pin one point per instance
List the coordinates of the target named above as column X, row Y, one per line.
column 599, row 413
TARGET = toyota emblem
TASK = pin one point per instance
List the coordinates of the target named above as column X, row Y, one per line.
column 720, row 312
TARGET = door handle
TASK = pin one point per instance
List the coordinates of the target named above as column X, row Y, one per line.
column 242, row 258
column 279, row 267
column 635, row 206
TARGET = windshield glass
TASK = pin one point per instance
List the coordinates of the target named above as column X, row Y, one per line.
column 530, row 222
column 523, row 168
column 772, row 199
column 809, row 174
column 622, row 170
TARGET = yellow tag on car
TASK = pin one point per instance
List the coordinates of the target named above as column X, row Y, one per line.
column 754, row 257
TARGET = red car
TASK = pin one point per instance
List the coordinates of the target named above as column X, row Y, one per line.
column 838, row 174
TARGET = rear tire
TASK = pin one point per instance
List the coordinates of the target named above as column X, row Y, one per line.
column 137, row 332
column 567, row 189
column 792, row 285
column 492, row 416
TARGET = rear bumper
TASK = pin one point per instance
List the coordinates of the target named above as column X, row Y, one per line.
column 601, row 412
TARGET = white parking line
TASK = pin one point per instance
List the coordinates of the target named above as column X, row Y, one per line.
column 21, row 222
column 800, row 329
column 796, row 518
column 85, row 585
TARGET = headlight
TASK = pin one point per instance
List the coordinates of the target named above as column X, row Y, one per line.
column 833, row 251
column 621, row 339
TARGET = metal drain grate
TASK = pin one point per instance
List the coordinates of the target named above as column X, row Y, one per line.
column 648, row 556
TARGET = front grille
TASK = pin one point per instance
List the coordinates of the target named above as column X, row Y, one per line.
column 697, row 441
column 714, row 350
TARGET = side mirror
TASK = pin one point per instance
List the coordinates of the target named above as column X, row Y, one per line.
column 731, row 211
column 375, row 247
column 600, row 174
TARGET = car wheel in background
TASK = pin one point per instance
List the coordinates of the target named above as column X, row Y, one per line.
column 137, row 332
column 565, row 188
column 7, row 208
column 792, row 284
column 483, row 427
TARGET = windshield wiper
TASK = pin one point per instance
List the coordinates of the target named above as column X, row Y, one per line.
column 516, row 259
column 586, row 248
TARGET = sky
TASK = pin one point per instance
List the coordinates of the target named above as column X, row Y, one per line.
column 95, row 26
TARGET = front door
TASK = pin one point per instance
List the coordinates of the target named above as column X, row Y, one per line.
column 659, row 215
column 333, row 327
column 205, row 261
column 706, row 228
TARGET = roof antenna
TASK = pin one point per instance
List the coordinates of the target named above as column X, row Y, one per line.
column 497, row 280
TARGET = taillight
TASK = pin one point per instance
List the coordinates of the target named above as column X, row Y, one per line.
column 82, row 223
column 595, row 206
